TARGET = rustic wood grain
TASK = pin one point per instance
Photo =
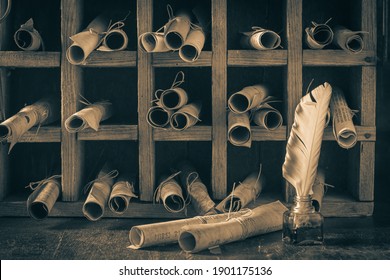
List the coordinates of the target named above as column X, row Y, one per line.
column 364, row 133
column 195, row 133
column 338, row 58
column 257, row 58
column 172, row 59
column 112, row 59
column 145, row 94
column 71, row 86
column 30, row 59
column 219, row 87
column 110, row 132
column 262, row 134
column 45, row 134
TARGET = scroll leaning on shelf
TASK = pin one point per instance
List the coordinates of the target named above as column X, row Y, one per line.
column 318, row 190
column 243, row 194
column 343, row 128
column 158, row 117
column 115, row 39
column 248, row 98
column 170, row 193
column 260, row 220
column 318, row 36
column 90, row 116
column 267, row 117
column 239, row 130
column 168, row 232
column 121, row 194
column 260, row 39
column 42, row 112
column 88, row 40
column 27, row 38
column 193, row 45
column 186, row 117
column 95, row 204
column 348, row 40
column 196, row 190
column 42, row 199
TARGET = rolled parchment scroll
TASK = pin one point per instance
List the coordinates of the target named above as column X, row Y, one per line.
column 267, row 117
column 28, row 38
column 88, row 40
column 90, row 116
column 193, row 45
column 243, row 194
column 152, row 42
column 95, row 204
column 115, row 39
column 186, row 117
column 263, row 219
column 260, row 39
column 199, row 197
column 318, row 190
column 348, row 40
column 176, row 31
column 43, row 198
column 158, row 117
column 168, row 232
column 343, row 128
column 42, row 112
column 239, row 129
column 121, row 194
column 318, row 36
column 172, row 99
column 248, row 98
column 170, row 193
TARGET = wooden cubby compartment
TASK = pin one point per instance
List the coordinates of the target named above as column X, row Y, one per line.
column 129, row 79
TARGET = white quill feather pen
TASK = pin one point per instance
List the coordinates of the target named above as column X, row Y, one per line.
column 304, row 144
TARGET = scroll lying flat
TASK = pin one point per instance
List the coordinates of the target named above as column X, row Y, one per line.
column 176, row 32
column 169, row 192
column 348, row 40
column 260, row 39
column 186, row 117
column 318, row 36
column 268, row 117
column 248, row 98
column 239, row 130
column 158, row 117
column 121, row 194
column 193, row 45
column 152, row 42
column 115, row 40
column 172, row 99
column 27, row 38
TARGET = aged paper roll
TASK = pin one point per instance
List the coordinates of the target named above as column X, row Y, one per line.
column 43, row 198
column 186, row 117
column 170, row 193
column 152, row 42
column 27, row 38
column 348, row 40
column 318, row 36
column 95, row 204
column 158, row 117
column 263, row 219
column 239, row 129
column 121, row 194
column 318, row 190
column 88, row 40
column 343, row 128
column 199, row 196
column 172, row 99
column 260, row 39
column 243, row 194
column 267, row 117
column 168, row 232
column 176, row 31
column 115, row 39
column 248, row 98
column 192, row 47
column 42, row 112
column 90, row 116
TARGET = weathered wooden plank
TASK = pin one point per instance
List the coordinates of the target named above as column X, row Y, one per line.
column 112, row 59
column 195, row 133
column 219, row 87
column 30, row 59
column 110, row 132
column 338, row 58
column 262, row 134
column 45, row 134
column 257, row 58
column 364, row 133
column 71, row 86
column 172, row 59
column 145, row 95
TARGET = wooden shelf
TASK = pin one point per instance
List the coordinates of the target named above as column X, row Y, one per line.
column 262, row 134
column 364, row 133
column 112, row 59
column 338, row 58
column 24, row 59
column 45, row 134
column 257, row 58
column 195, row 133
column 110, row 132
column 172, row 59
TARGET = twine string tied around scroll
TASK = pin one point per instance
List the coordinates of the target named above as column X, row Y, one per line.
column 175, row 84
column 36, row 185
column 110, row 175
column 157, row 192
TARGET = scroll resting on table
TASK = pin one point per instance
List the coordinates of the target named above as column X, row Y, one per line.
column 248, row 98
column 42, row 199
column 45, row 111
column 318, row 190
column 186, row 117
column 90, row 116
column 121, row 194
column 158, row 117
column 348, row 40
column 318, row 36
column 243, row 194
column 27, row 38
column 168, row 232
column 95, row 204
column 239, row 129
column 169, row 192
column 343, row 128
column 260, row 39
column 268, row 117
column 260, row 220
column 200, row 199
column 193, row 45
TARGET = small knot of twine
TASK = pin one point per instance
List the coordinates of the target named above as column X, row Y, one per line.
column 110, row 175
column 35, row 185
